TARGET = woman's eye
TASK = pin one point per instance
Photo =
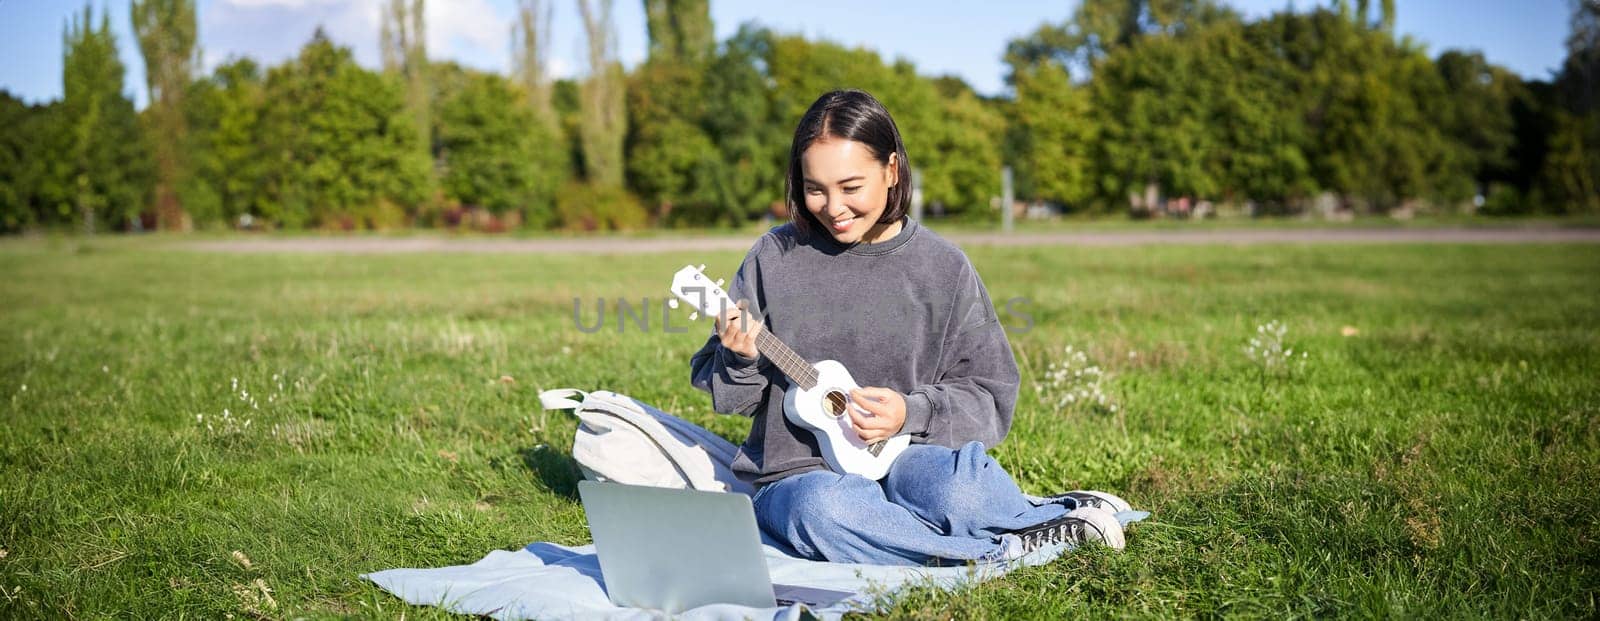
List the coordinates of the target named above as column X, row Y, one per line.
column 851, row 190
column 813, row 191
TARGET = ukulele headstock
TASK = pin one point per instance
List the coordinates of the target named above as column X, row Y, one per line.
column 703, row 295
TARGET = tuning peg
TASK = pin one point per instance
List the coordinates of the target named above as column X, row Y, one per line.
column 702, row 267
column 694, row 316
column 719, row 282
column 672, row 303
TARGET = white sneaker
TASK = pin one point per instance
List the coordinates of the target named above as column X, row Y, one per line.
column 1077, row 526
column 1092, row 498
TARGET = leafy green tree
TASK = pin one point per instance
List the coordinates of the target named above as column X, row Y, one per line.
column 530, row 46
column 496, row 153
column 197, row 189
column 603, row 127
column 166, row 33
column 24, row 153
column 680, row 30
column 341, row 143
column 1570, row 179
column 1475, row 115
column 403, row 38
column 1154, row 126
column 1256, row 122
column 1365, row 100
column 673, row 159
column 566, row 102
column 960, row 153
column 230, row 163
column 1101, row 138
column 1100, row 27
column 754, row 149
column 104, row 168
column 1055, row 134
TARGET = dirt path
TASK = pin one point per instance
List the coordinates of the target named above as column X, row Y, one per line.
column 621, row 245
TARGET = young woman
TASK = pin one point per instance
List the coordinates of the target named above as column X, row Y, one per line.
column 851, row 278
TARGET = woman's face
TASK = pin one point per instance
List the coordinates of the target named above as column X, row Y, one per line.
column 847, row 189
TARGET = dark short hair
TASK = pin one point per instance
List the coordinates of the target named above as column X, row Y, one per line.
column 850, row 115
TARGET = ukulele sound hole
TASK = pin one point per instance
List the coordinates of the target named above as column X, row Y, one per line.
column 833, row 404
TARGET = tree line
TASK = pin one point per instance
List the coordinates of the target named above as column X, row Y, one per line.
column 1137, row 106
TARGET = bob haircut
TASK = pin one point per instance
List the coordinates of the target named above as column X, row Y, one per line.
column 849, row 115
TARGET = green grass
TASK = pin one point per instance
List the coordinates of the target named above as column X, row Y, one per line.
column 1444, row 461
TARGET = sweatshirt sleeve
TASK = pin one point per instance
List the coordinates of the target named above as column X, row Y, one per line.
column 976, row 390
column 736, row 383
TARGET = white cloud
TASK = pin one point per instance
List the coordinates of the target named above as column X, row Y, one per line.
column 471, row 32
column 272, row 31
column 561, row 69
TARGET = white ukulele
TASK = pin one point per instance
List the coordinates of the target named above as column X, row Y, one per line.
column 818, row 393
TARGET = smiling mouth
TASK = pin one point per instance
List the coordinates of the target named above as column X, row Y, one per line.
column 842, row 224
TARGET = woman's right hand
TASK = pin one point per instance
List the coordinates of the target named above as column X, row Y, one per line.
column 737, row 332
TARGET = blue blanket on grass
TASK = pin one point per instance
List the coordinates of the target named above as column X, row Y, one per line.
column 546, row 581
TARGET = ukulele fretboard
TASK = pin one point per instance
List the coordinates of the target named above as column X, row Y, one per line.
column 792, row 365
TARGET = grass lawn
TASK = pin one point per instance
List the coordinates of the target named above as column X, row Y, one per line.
column 195, row 435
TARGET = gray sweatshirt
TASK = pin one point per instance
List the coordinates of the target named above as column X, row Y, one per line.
column 908, row 313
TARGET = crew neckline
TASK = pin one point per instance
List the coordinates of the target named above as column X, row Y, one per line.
column 908, row 229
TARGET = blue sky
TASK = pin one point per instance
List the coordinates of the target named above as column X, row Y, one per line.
column 949, row 37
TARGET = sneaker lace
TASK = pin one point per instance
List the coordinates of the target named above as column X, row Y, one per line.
column 1063, row 531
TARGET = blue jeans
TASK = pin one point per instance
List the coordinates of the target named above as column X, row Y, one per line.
column 937, row 505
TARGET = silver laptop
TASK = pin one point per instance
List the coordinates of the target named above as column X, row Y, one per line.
column 674, row 549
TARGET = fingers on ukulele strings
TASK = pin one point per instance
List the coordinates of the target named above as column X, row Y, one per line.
column 862, row 418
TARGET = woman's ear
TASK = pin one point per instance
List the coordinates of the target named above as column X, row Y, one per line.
column 892, row 170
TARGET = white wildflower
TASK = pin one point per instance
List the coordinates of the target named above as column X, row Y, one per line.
column 1270, row 352
column 1072, row 380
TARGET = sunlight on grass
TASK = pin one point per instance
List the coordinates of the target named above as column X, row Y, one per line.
column 202, row 435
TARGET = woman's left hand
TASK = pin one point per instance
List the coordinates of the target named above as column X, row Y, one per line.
column 885, row 412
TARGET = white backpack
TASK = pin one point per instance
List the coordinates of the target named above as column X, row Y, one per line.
column 624, row 440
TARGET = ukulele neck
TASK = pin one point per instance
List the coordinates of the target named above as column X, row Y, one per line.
column 792, row 365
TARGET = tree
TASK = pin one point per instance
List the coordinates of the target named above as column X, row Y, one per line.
column 166, row 33
column 1082, row 137
column 1365, row 100
column 672, row 160
column 604, row 120
column 530, row 46
column 960, row 153
column 496, row 154
column 341, row 142
column 1100, row 27
column 104, row 168
column 1054, row 131
column 225, row 114
column 24, row 154
column 680, row 30
column 1570, row 180
column 753, row 147
column 402, row 36
column 1154, row 132
column 1476, row 117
